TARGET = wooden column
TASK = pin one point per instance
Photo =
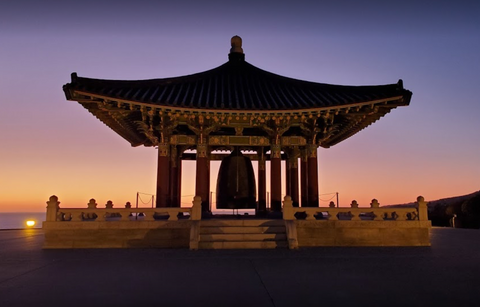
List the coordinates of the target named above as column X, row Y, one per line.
column 174, row 175
column 202, row 182
column 276, row 177
column 288, row 182
column 179, row 180
column 262, row 183
column 304, row 177
column 312, row 176
column 294, row 179
column 163, row 176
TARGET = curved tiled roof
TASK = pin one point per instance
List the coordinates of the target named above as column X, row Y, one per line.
column 235, row 85
column 315, row 112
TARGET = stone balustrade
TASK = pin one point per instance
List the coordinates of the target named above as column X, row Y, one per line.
column 356, row 213
column 109, row 213
column 128, row 227
column 357, row 226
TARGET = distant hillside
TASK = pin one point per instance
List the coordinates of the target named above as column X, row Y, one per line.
column 441, row 202
column 465, row 209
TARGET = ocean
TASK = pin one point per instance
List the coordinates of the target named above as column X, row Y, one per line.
column 17, row 220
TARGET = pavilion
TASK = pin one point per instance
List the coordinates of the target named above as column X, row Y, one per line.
column 235, row 113
column 236, row 105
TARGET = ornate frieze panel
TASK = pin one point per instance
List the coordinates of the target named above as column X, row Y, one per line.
column 259, row 141
column 219, row 140
column 293, row 141
column 183, row 140
column 225, row 140
column 233, row 140
column 241, row 140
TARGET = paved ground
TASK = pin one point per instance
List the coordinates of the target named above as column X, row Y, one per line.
column 446, row 274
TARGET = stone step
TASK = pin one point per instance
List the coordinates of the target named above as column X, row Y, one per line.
column 242, row 234
column 243, row 245
column 243, row 237
column 240, row 230
column 241, row 223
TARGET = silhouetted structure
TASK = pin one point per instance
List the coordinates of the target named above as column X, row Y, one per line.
column 236, row 106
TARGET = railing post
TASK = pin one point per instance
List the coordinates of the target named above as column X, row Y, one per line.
column 290, row 227
column 52, row 208
column 92, row 204
column 356, row 215
column 288, row 208
column 196, row 216
column 377, row 215
column 197, row 208
column 422, row 208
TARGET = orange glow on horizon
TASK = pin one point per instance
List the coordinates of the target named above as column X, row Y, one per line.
column 75, row 191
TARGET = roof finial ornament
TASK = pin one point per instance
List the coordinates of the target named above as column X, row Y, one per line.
column 236, row 44
column 236, row 52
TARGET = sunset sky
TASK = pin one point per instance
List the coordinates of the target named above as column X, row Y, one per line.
column 49, row 145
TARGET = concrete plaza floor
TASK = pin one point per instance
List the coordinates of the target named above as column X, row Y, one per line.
column 445, row 274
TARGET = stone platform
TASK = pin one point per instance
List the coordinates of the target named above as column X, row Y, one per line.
column 228, row 233
column 176, row 227
column 445, row 274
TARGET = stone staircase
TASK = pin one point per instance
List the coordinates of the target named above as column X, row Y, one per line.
column 242, row 234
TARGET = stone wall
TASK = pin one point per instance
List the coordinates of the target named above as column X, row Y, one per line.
column 362, row 233
column 118, row 234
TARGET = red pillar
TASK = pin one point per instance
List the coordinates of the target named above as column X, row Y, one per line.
column 179, row 180
column 304, row 177
column 276, row 178
column 288, row 182
column 202, row 182
column 312, row 176
column 163, row 176
column 174, row 173
column 262, row 183
column 294, row 180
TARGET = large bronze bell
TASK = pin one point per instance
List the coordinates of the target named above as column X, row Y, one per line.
column 236, row 183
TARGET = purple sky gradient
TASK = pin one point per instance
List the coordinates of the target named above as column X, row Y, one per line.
column 53, row 146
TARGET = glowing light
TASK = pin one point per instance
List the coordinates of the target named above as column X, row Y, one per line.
column 30, row 223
